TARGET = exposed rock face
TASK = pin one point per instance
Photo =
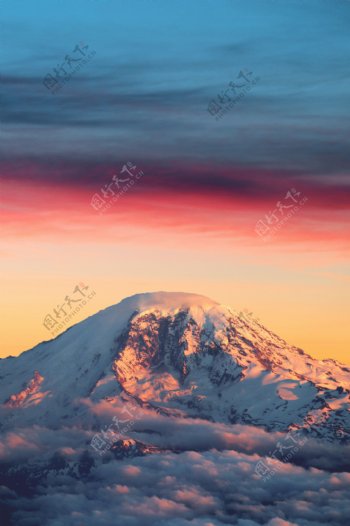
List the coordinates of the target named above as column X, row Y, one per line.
column 33, row 386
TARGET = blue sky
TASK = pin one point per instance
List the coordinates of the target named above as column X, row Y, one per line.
column 159, row 62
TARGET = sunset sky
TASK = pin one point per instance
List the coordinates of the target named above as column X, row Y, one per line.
column 189, row 223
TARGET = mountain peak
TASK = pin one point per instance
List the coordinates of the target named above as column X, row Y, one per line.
column 177, row 352
column 168, row 300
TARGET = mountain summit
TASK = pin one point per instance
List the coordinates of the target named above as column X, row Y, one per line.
column 181, row 354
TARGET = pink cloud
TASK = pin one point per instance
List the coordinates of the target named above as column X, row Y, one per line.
column 158, row 507
column 131, row 470
column 121, row 489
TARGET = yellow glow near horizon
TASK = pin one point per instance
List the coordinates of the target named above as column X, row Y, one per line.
column 301, row 303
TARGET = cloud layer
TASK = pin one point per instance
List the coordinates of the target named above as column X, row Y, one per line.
column 200, row 473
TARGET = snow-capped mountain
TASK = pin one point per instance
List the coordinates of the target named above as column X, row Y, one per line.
column 178, row 354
